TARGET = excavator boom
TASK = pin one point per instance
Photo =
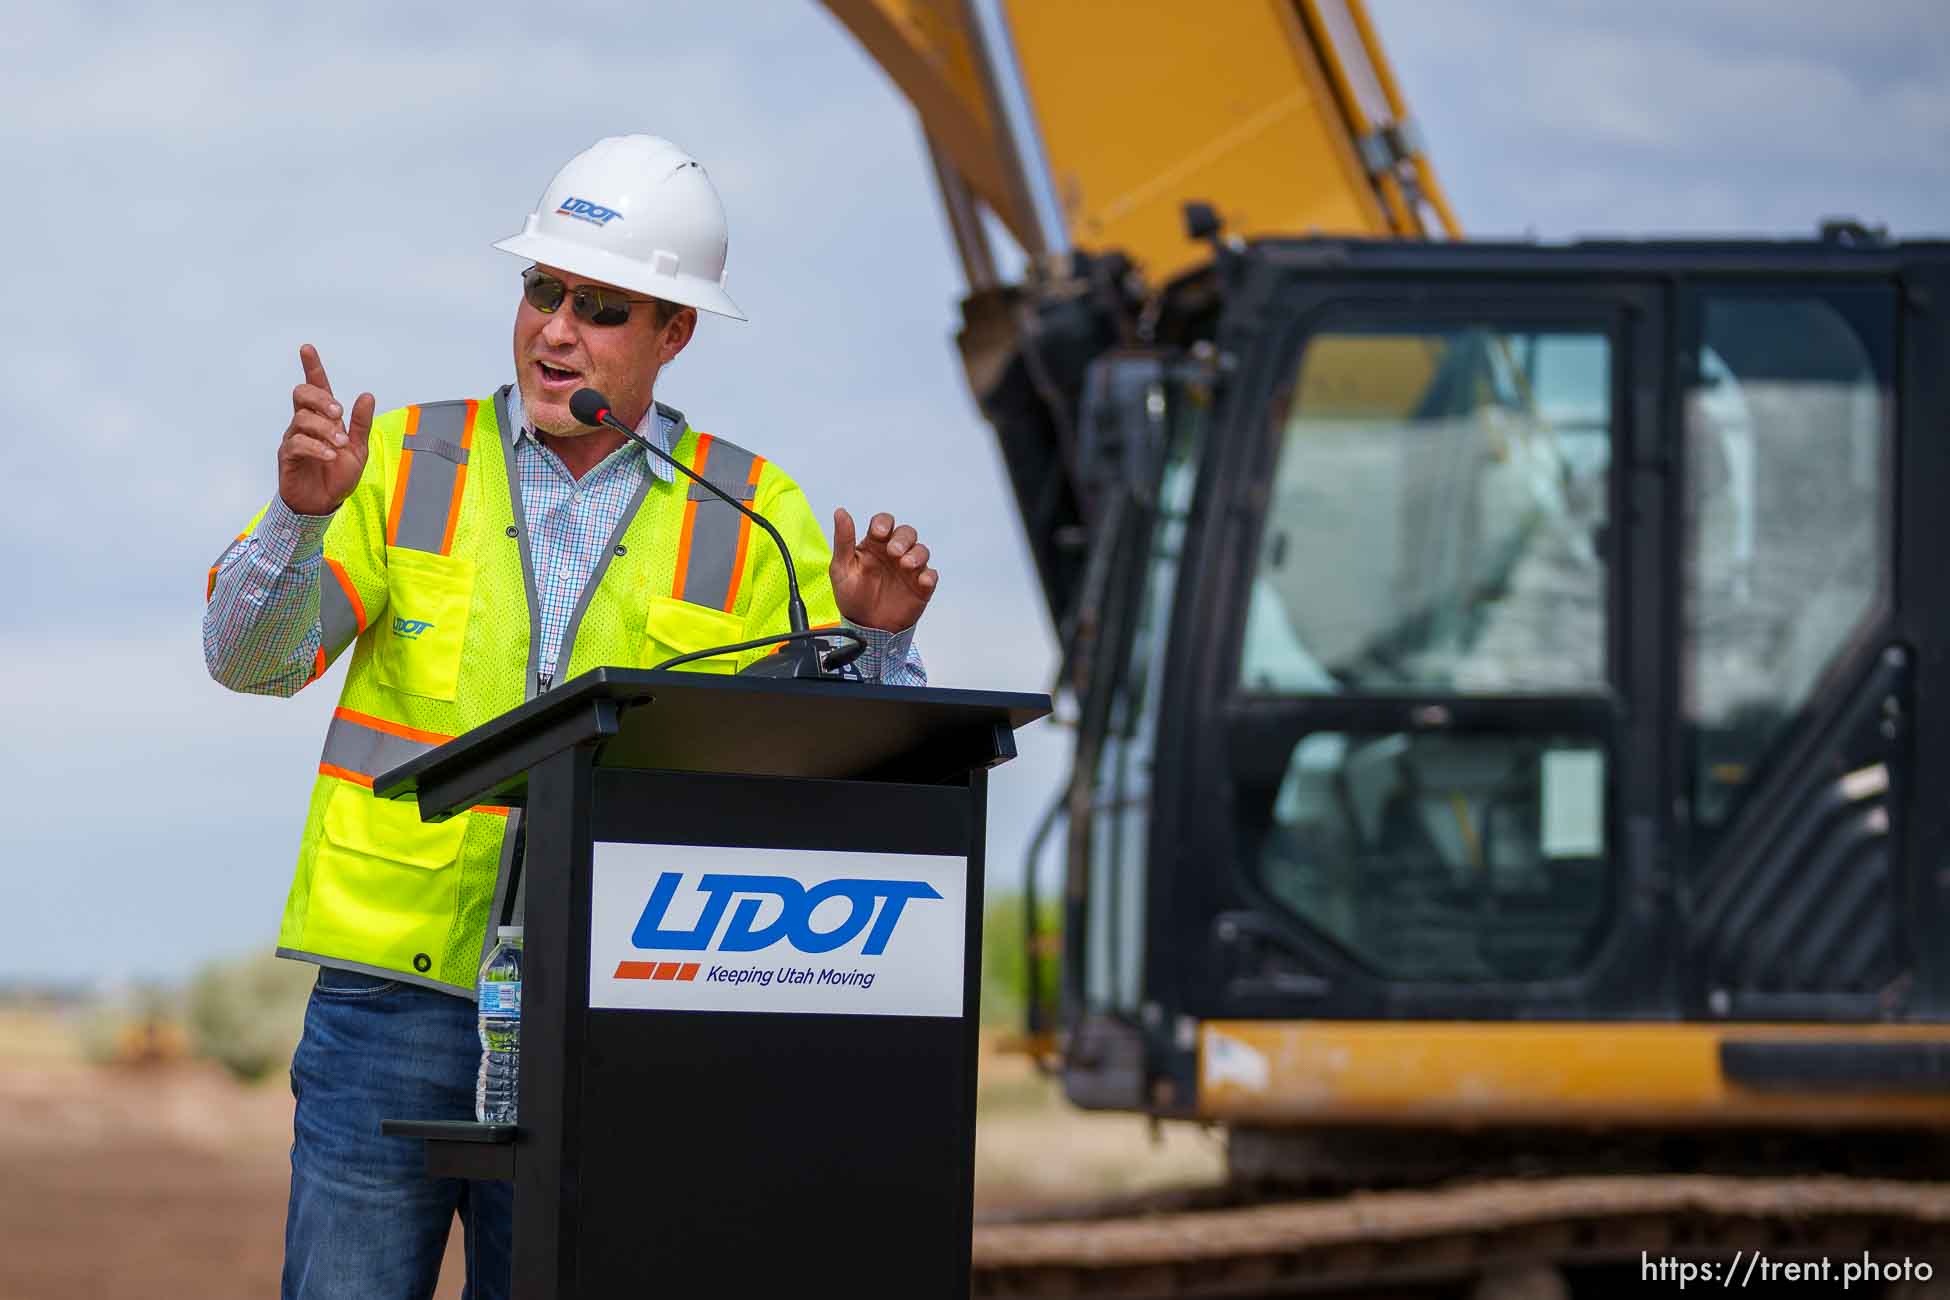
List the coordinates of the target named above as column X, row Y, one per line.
column 1284, row 113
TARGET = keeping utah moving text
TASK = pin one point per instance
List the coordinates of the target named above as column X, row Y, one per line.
column 763, row 978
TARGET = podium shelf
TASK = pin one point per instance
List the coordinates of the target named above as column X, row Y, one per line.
column 460, row 1148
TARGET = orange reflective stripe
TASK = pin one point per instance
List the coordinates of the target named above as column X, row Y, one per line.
column 317, row 665
column 744, row 539
column 359, row 746
column 738, row 565
column 399, row 729
column 460, row 478
column 683, row 550
column 690, row 520
column 399, row 484
column 493, row 809
column 357, row 778
column 351, row 592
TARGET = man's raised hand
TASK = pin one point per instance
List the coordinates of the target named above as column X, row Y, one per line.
column 321, row 458
column 881, row 580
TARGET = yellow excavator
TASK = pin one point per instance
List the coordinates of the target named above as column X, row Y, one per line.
column 1506, row 678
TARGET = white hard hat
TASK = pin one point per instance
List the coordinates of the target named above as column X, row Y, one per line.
column 637, row 212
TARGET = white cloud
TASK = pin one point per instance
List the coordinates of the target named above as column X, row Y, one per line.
column 1757, row 116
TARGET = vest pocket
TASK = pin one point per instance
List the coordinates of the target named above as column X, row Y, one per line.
column 429, row 598
column 678, row 627
column 382, row 888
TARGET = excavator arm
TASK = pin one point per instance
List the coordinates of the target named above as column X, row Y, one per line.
column 1284, row 114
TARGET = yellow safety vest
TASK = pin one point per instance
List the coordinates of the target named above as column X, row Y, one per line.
column 428, row 576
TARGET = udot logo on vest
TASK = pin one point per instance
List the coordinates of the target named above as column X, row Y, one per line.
column 683, row 928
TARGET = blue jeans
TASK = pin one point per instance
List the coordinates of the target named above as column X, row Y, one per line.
column 366, row 1223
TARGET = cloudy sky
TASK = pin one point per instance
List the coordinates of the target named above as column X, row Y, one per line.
column 196, row 191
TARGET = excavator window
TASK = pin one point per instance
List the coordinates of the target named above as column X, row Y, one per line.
column 1787, row 515
column 1437, row 508
column 1443, row 856
column 1437, row 527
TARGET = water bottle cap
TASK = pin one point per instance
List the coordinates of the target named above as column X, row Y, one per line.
column 507, row 932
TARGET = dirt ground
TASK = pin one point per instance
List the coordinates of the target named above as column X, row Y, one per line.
column 170, row 1180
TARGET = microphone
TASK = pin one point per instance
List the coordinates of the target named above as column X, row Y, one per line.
column 592, row 408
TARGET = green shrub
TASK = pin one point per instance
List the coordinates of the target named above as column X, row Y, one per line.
column 247, row 1014
column 1004, row 964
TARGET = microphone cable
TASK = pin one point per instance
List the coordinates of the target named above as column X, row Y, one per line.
column 831, row 660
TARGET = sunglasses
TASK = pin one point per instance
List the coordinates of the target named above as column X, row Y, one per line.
column 545, row 293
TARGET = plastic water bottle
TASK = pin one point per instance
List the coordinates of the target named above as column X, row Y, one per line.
column 500, row 1018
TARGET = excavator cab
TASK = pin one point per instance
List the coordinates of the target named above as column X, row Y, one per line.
column 1538, row 637
column 1507, row 679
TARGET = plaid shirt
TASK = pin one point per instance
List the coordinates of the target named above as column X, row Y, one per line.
column 261, row 630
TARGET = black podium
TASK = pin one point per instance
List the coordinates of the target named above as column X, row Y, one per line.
column 752, row 971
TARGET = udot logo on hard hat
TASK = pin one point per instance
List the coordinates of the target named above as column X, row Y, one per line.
column 584, row 210
column 879, row 902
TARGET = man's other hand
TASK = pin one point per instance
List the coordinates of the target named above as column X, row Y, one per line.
column 321, row 458
column 881, row 580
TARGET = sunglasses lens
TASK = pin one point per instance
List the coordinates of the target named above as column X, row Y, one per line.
column 596, row 307
column 543, row 292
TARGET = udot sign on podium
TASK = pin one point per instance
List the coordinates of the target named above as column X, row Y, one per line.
column 751, row 980
column 792, row 931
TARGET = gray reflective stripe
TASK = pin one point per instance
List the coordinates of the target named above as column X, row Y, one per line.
column 354, row 747
column 710, row 576
column 338, row 619
column 380, row 972
column 430, row 472
column 440, row 430
column 438, row 447
column 728, row 466
column 520, row 514
column 510, row 865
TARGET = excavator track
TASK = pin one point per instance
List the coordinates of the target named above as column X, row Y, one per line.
column 1488, row 1240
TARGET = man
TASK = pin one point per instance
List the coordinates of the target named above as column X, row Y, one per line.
column 471, row 554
